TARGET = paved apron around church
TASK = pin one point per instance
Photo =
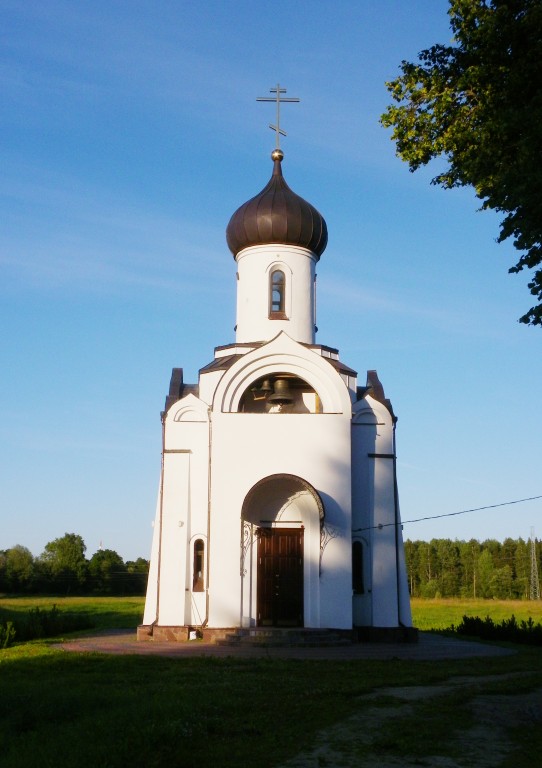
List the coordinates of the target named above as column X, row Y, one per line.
column 429, row 648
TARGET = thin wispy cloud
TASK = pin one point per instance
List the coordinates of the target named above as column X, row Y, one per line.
column 354, row 298
column 81, row 233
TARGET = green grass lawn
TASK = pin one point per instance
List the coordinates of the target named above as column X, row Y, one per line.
column 106, row 612
column 440, row 613
column 60, row 709
column 127, row 612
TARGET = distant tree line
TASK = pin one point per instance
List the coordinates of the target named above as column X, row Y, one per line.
column 488, row 569
column 63, row 569
column 436, row 568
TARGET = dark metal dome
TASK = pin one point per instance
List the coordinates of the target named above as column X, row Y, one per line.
column 277, row 215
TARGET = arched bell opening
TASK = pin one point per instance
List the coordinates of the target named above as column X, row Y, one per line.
column 280, row 393
column 281, row 521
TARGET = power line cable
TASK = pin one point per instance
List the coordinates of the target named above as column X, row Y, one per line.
column 448, row 514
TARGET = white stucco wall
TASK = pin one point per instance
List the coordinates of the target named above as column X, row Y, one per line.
column 376, row 519
column 150, row 612
column 210, row 446
column 181, row 516
column 254, row 265
column 315, row 447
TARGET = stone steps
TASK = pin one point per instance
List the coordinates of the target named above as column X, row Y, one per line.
column 282, row 637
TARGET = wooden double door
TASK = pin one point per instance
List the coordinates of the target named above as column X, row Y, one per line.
column 280, row 577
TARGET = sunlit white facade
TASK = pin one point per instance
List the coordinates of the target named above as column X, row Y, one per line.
column 277, row 503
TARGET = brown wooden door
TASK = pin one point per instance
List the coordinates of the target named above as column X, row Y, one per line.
column 280, row 577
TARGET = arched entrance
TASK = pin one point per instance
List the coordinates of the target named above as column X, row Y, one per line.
column 282, row 516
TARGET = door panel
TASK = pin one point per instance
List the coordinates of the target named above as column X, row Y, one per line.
column 280, row 577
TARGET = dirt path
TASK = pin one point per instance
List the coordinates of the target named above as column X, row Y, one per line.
column 352, row 743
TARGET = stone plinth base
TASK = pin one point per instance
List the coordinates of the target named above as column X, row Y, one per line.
column 186, row 634
column 386, row 634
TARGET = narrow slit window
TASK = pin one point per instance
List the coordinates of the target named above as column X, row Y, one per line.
column 197, row 579
column 357, row 568
column 277, row 303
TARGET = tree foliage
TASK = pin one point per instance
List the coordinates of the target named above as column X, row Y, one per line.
column 478, row 104
column 19, row 568
column 62, row 568
column 64, row 559
column 488, row 569
column 107, row 569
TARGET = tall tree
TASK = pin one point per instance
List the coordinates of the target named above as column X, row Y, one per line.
column 449, row 578
column 138, row 571
column 478, row 104
column 3, row 565
column 411, row 558
column 107, row 572
column 469, row 555
column 484, row 573
column 19, row 568
column 522, row 568
column 501, row 583
column 64, row 559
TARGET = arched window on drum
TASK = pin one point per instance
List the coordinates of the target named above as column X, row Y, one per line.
column 277, row 295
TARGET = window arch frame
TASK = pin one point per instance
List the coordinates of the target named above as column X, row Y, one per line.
column 277, row 284
column 198, row 565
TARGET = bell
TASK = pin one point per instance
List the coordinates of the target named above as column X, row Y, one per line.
column 282, row 394
column 262, row 392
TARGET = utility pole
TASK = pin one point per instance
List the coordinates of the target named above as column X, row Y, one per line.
column 474, row 572
column 535, row 584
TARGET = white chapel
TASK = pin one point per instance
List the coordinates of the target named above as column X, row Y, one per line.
column 277, row 504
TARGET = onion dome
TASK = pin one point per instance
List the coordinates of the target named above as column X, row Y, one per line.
column 277, row 215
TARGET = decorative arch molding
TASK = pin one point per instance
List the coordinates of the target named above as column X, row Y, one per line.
column 283, row 355
column 366, row 416
column 289, row 502
column 270, row 497
column 370, row 413
column 189, row 409
column 280, row 264
column 327, row 533
column 284, row 488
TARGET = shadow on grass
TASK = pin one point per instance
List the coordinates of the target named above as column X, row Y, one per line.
column 69, row 709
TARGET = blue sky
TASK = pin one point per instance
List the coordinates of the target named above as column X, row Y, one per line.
column 130, row 134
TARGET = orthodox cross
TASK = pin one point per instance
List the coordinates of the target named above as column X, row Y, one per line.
column 279, row 99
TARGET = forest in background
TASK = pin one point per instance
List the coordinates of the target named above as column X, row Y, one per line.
column 63, row 569
column 487, row 569
column 436, row 568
